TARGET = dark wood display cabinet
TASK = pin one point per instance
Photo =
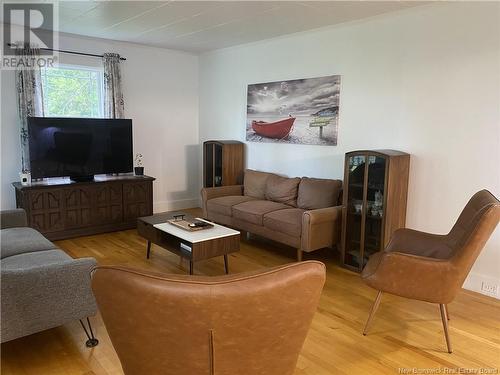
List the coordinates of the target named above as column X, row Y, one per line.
column 374, row 202
column 60, row 208
column 223, row 163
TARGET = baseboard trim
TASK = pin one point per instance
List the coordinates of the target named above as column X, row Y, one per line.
column 180, row 204
column 475, row 280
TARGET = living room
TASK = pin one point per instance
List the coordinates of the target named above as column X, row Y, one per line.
column 412, row 85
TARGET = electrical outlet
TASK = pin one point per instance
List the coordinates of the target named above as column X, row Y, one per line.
column 489, row 288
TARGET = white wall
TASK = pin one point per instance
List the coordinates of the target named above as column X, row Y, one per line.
column 424, row 80
column 161, row 96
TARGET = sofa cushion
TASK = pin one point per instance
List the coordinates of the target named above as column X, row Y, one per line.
column 287, row 221
column 223, row 205
column 37, row 258
column 282, row 189
column 22, row 240
column 254, row 211
column 254, row 183
column 318, row 193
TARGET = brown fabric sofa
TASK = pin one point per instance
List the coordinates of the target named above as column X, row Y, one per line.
column 304, row 213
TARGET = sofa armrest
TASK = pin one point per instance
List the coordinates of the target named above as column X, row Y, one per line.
column 321, row 228
column 220, row 191
column 322, row 215
column 40, row 297
column 13, row 218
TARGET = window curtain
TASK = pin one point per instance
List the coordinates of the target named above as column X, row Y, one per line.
column 29, row 97
column 114, row 106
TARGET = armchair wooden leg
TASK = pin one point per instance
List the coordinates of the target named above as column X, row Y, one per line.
column 442, row 308
column 447, row 312
column 372, row 312
column 299, row 255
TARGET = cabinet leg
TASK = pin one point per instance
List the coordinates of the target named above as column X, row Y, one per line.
column 299, row 255
column 149, row 250
column 190, row 267
column 226, row 264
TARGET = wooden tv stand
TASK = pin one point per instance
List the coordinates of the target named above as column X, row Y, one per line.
column 60, row 208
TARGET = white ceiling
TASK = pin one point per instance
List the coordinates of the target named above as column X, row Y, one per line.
column 198, row 26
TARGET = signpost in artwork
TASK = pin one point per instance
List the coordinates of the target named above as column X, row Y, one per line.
column 300, row 111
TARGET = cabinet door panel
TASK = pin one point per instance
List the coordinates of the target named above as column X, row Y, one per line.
column 78, row 204
column 209, row 164
column 46, row 210
column 136, row 200
column 355, row 208
column 218, row 151
column 36, row 201
column 39, row 222
column 374, row 206
column 108, row 204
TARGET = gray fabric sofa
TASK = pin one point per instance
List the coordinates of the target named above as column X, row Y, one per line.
column 41, row 286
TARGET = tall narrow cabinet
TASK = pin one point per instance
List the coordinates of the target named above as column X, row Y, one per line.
column 223, row 163
column 374, row 202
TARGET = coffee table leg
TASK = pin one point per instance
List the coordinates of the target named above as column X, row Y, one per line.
column 149, row 249
column 190, row 267
column 226, row 264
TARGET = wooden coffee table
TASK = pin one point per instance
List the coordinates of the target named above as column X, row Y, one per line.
column 194, row 246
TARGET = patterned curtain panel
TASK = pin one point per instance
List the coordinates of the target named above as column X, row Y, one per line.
column 29, row 98
column 114, row 106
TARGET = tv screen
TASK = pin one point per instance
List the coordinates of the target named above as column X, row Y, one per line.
column 79, row 147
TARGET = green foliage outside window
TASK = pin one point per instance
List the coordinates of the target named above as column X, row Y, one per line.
column 69, row 92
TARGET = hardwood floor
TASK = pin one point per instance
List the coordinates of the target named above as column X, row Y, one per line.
column 404, row 333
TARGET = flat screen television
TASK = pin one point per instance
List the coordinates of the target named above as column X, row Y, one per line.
column 79, row 147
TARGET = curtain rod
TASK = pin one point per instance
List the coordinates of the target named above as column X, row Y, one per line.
column 69, row 52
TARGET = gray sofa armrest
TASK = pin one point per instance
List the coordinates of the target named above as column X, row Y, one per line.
column 41, row 297
column 13, row 218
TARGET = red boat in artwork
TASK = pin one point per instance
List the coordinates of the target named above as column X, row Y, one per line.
column 278, row 129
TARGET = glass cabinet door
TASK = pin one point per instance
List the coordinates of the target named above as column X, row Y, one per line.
column 375, row 206
column 353, row 253
column 209, row 165
column 218, row 164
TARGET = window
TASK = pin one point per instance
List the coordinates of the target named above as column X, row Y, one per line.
column 72, row 92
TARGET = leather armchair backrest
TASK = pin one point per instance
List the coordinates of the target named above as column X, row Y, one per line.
column 246, row 324
column 473, row 228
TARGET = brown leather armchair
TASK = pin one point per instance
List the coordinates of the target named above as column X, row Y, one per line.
column 247, row 324
column 430, row 267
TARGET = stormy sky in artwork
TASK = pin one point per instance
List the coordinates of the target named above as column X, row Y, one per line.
column 300, row 97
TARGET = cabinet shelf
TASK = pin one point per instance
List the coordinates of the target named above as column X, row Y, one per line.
column 369, row 217
column 371, row 187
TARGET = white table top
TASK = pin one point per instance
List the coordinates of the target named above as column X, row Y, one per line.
column 218, row 231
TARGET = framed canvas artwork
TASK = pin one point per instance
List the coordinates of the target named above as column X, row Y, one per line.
column 299, row 111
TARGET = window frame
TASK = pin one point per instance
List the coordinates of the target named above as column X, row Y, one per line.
column 100, row 86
